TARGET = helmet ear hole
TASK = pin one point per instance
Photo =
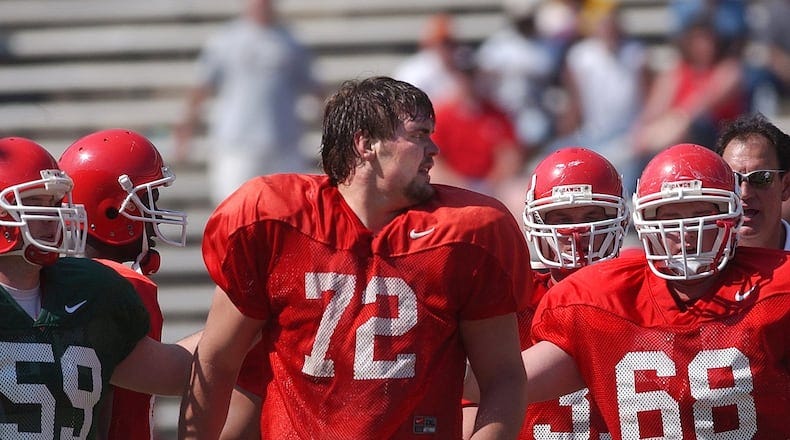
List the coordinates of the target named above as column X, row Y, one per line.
column 111, row 212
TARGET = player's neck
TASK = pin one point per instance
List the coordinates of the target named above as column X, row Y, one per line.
column 120, row 253
column 558, row 275
column 18, row 273
column 373, row 208
column 689, row 291
column 774, row 241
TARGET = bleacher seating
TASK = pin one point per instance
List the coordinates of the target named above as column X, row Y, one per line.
column 68, row 67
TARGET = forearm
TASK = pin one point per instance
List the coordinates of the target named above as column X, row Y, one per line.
column 215, row 366
column 171, row 369
column 172, row 378
column 204, row 405
column 551, row 372
column 502, row 407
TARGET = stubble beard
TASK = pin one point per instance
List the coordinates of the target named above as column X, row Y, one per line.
column 418, row 191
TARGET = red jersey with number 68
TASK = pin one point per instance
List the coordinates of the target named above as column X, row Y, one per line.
column 713, row 368
column 363, row 328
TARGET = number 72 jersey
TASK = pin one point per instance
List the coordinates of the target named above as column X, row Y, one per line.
column 364, row 339
column 716, row 368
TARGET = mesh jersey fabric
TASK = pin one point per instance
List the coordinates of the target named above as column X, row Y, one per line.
column 572, row 416
column 55, row 370
column 658, row 367
column 255, row 373
column 132, row 412
column 364, row 330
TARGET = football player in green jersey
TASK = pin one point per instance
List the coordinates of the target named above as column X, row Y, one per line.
column 70, row 327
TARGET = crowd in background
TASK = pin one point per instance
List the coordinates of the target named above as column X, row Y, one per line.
column 566, row 72
column 559, row 73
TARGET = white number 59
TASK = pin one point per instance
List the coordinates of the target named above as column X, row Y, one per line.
column 12, row 353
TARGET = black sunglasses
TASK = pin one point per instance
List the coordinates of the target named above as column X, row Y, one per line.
column 757, row 178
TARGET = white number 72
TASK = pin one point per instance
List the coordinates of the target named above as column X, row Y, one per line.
column 365, row 367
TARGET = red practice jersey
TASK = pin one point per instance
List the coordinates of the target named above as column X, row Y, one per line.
column 363, row 328
column 660, row 368
column 255, row 372
column 132, row 412
column 572, row 416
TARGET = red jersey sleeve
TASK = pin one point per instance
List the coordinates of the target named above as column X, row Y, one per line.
column 236, row 251
column 497, row 261
column 148, row 292
column 255, row 373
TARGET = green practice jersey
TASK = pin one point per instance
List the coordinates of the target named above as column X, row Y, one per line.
column 55, row 370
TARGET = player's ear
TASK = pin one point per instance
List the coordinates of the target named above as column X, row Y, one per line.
column 363, row 144
column 785, row 187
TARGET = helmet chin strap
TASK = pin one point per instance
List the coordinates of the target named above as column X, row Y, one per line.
column 148, row 261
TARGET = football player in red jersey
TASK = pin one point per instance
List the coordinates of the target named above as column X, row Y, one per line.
column 689, row 339
column 70, row 327
column 117, row 176
column 575, row 215
column 365, row 282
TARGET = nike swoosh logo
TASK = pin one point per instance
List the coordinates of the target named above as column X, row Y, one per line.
column 413, row 234
column 74, row 308
column 742, row 296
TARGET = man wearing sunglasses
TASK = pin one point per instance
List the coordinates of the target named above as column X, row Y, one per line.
column 759, row 154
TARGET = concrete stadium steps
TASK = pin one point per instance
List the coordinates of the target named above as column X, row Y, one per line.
column 164, row 38
column 176, row 76
column 166, row 417
column 68, row 67
column 42, row 13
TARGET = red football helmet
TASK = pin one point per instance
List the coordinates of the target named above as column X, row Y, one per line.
column 569, row 178
column 27, row 170
column 687, row 173
column 117, row 176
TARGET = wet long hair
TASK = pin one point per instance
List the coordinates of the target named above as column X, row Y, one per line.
column 374, row 106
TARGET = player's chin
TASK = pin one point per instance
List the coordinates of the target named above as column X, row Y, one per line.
column 419, row 190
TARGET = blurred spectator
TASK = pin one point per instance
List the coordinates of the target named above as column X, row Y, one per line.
column 605, row 77
column 688, row 101
column 728, row 17
column 764, row 62
column 770, row 56
column 557, row 23
column 257, row 71
column 520, row 67
column 430, row 67
column 477, row 143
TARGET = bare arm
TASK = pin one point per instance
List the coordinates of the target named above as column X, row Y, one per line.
column 551, row 372
column 469, row 417
column 492, row 347
column 170, row 376
column 244, row 415
column 190, row 342
column 226, row 339
column 184, row 131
